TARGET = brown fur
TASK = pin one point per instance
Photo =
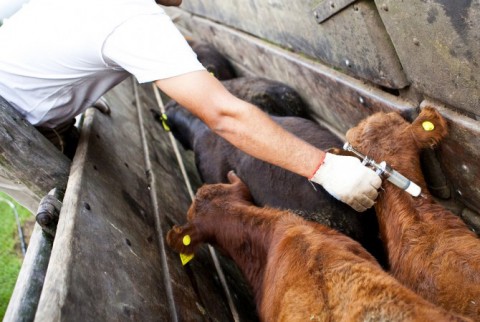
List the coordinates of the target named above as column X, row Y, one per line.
column 299, row 270
column 429, row 249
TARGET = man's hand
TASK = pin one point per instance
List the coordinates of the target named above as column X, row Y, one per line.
column 346, row 179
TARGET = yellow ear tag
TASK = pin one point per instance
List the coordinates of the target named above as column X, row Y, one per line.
column 163, row 118
column 428, row 126
column 185, row 258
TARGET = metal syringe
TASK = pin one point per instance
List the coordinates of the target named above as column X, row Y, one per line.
column 385, row 171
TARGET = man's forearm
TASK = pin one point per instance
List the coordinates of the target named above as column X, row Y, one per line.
column 255, row 133
column 241, row 123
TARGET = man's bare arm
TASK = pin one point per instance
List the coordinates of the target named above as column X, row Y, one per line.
column 255, row 133
column 241, row 123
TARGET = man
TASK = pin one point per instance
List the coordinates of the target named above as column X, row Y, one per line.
column 59, row 56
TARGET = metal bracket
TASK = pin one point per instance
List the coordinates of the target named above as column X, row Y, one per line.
column 49, row 211
column 328, row 8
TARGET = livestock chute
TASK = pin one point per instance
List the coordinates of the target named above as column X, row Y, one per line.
column 124, row 189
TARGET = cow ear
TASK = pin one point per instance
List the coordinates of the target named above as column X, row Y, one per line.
column 183, row 239
column 241, row 188
column 429, row 128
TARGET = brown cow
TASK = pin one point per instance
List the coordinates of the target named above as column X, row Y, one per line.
column 429, row 249
column 298, row 270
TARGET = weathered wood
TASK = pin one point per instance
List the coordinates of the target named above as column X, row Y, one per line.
column 353, row 40
column 24, row 301
column 472, row 219
column 327, row 9
column 333, row 98
column 29, row 156
column 105, row 262
column 439, row 48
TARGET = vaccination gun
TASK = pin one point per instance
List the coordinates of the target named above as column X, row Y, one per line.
column 385, row 171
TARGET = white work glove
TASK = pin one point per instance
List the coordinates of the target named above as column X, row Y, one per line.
column 348, row 180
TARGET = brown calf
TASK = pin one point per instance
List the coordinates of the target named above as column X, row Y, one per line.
column 299, row 270
column 429, row 249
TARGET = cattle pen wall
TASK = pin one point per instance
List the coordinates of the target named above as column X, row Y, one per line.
column 347, row 59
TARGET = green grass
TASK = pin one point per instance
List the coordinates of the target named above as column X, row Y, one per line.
column 10, row 252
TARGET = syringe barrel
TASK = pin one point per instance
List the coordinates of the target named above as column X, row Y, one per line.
column 403, row 183
column 384, row 170
column 397, row 179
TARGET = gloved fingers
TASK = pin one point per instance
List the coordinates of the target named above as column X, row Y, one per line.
column 371, row 193
column 376, row 182
column 366, row 201
column 357, row 206
column 346, row 179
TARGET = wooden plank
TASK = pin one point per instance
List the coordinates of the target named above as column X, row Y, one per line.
column 438, row 45
column 334, row 99
column 354, row 40
column 105, row 262
column 472, row 219
column 28, row 156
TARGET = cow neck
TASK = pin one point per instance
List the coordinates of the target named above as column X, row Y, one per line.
column 399, row 213
column 245, row 234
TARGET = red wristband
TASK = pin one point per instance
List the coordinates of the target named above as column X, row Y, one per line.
column 318, row 167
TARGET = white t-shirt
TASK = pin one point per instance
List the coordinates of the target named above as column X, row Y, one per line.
column 57, row 57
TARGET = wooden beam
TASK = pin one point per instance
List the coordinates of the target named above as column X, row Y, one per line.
column 352, row 39
column 28, row 156
column 333, row 98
